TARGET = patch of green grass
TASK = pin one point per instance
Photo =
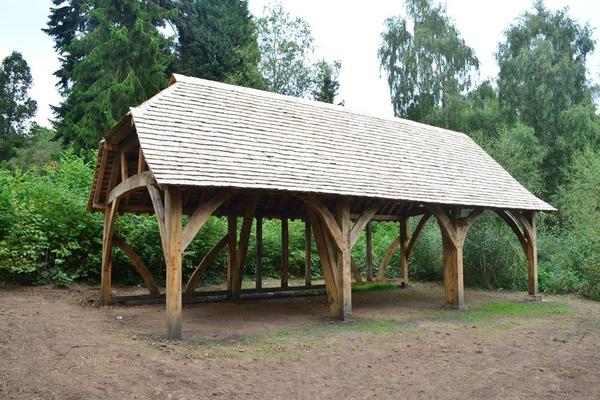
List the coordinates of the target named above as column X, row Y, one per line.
column 373, row 287
column 490, row 312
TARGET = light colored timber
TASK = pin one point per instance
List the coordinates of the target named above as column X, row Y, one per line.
column 454, row 229
column 231, row 253
column 363, row 220
column 404, row 254
column 159, row 212
column 242, row 248
column 101, row 169
column 132, row 183
column 285, row 252
column 369, row 250
column 258, row 253
column 173, row 220
column 343, row 262
column 124, row 166
column 410, row 245
column 201, row 269
column 307, row 254
column 324, row 257
column 110, row 214
column 326, row 216
column 355, row 271
column 141, row 162
column 201, row 215
column 138, row 264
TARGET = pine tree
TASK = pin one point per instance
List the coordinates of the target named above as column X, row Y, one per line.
column 217, row 41
column 119, row 60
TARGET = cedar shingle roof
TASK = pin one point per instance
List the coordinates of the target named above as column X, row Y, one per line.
column 203, row 133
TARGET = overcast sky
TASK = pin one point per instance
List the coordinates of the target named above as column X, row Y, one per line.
column 345, row 30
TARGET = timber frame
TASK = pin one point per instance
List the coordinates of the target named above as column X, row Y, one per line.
column 125, row 182
column 335, row 224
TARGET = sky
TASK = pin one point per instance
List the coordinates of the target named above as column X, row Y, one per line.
column 345, row 30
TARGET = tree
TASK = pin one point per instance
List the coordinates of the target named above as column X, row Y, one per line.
column 121, row 60
column 68, row 19
column 427, row 67
column 16, row 107
column 217, row 41
column 38, row 150
column 543, row 83
column 326, row 82
column 286, row 47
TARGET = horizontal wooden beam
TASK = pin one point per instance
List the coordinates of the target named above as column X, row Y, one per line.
column 132, row 183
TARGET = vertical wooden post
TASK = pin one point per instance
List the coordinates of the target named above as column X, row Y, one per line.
column 285, row 247
column 231, row 254
column 110, row 213
column 258, row 252
column 532, row 259
column 404, row 240
column 343, row 269
column 307, row 254
column 369, row 258
column 173, row 214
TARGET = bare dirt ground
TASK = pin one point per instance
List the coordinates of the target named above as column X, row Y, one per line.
column 55, row 344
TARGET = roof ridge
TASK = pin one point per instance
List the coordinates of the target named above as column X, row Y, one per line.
column 175, row 78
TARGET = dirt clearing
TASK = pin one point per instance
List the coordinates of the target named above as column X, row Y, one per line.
column 55, row 345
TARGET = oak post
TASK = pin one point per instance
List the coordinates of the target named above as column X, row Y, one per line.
column 532, row 259
column 231, row 254
column 173, row 214
column 307, row 254
column 369, row 261
column 343, row 269
column 404, row 240
column 107, row 242
column 258, row 253
column 285, row 249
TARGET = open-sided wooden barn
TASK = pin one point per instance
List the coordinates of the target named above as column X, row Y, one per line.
column 203, row 148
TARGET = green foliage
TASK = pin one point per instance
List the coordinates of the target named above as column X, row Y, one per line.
column 16, row 107
column 543, row 83
column 121, row 61
column 38, row 149
column 327, row 84
column 286, row 57
column 47, row 233
column 428, row 67
column 217, row 41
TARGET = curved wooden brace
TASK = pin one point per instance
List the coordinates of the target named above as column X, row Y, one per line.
column 325, row 256
column 387, row 258
column 355, row 271
column 363, row 220
column 138, row 264
column 201, row 269
column 409, row 249
column 159, row 212
column 132, row 183
column 329, row 221
column 445, row 223
column 201, row 215
column 510, row 221
column 416, row 233
column 110, row 214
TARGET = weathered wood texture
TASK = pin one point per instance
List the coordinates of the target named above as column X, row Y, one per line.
column 307, row 254
column 110, row 214
column 204, row 264
column 369, row 250
column 138, row 264
column 258, row 253
column 454, row 228
column 285, row 252
column 173, row 221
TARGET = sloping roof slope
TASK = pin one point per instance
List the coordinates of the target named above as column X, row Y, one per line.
column 203, row 133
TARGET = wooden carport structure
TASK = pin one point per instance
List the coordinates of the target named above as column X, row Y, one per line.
column 202, row 148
